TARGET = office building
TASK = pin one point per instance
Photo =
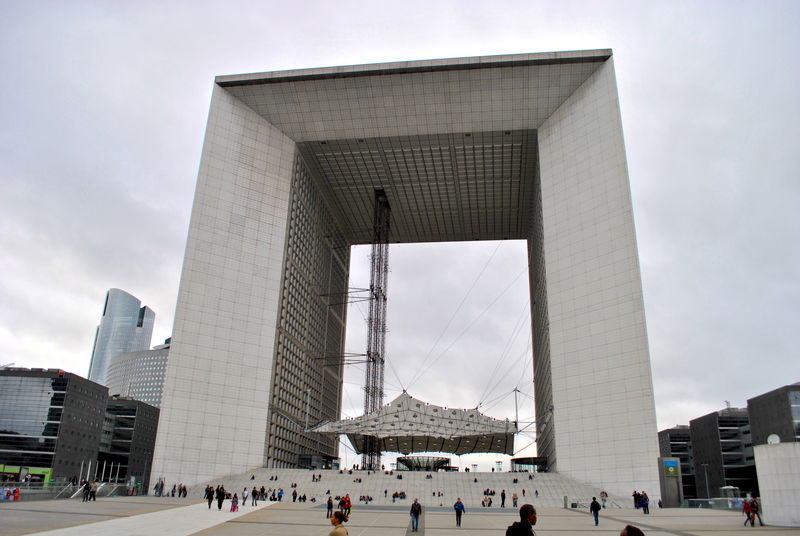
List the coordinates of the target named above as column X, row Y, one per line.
column 127, row 441
column 125, row 326
column 776, row 413
column 139, row 375
column 723, row 452
column 50, row 423
column 526, row 146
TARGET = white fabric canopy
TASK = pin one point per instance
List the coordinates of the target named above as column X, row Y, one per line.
column 409, row 425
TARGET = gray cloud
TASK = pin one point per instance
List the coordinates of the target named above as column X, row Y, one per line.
column 104, row 107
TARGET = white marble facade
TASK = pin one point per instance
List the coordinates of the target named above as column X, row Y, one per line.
column 778, row 468
column 599, row 386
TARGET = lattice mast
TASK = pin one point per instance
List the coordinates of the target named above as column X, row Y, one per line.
column 376, row 337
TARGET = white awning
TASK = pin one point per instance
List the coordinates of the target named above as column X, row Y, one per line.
column 409, row 425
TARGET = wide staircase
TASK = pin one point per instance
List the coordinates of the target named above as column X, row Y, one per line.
column 441, row 488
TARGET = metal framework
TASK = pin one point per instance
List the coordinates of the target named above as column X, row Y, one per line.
column 376, row 338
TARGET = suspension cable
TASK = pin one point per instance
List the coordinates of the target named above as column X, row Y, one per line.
column 422, row 371
column 458, row 308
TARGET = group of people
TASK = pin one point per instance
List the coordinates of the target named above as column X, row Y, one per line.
column 523, row 527
column 751, row 511
column 217, row 493
column 180, row 489
column 344, row 504
column 641, row 500
column 90, row 490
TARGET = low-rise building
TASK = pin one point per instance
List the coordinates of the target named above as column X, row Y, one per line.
column 676, row 442
column 128, row 440
column 50, row 423
column 723, row 452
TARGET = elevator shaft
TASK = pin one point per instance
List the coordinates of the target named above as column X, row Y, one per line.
column 376, row 337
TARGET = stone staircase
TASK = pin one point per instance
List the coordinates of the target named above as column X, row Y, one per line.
column 551, row 487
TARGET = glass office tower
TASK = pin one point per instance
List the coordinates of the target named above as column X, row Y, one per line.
column 126, row 326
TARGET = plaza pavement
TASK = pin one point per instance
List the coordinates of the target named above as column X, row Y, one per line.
column 147, row 516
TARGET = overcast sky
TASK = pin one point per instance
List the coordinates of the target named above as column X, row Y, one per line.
column 103, row 111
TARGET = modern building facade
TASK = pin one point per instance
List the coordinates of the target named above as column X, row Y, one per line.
column 139, row 375
column 526, row 147
column 128, row 440
column 775, row 413
column 125, row 326
column 676, row 442
column 50, row 422
column 723, row 452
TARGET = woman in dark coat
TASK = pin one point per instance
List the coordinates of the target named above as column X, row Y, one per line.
column 220, row 496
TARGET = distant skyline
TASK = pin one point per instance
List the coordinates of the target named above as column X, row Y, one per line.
column 103, row 120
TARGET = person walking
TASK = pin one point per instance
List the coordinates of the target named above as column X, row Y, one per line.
column 220, row 494
column 459, row 508
column 254, row 497
column 514, row 499
column 416, row 510
column 645, row 503
column 594, row 508
column 754, row 508
column 348, row 505
column 503, row 499
column 747, row 510
column 330, row 507
column 87, row 489
column 338, row 529
column 209, row 495
column 93, row 491
column 234, row 503
column 527, row 519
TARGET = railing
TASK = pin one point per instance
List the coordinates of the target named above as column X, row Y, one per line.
column 64, row 489
column 721, row 503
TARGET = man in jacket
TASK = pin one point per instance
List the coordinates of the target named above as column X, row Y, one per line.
column 416, row 510
column 527, row 519
column 594, row 508
column 459, row 508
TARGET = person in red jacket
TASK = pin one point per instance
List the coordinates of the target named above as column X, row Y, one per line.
column 747, row 510
column 348, row 506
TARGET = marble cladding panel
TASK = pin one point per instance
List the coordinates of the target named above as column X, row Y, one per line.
column 217, row 380
column 603, row 405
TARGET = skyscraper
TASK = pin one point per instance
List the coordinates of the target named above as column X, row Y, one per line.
column 126, row 326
